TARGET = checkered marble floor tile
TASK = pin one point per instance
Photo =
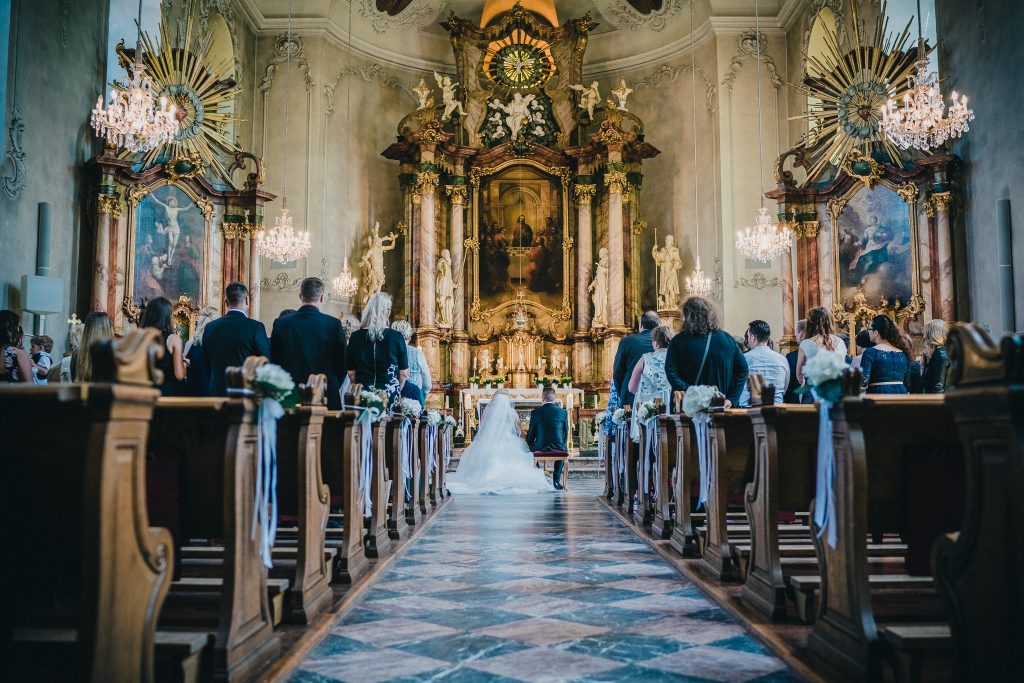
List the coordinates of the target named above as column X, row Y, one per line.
column 536, row 588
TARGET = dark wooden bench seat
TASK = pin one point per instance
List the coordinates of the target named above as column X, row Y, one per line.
column 913, row 643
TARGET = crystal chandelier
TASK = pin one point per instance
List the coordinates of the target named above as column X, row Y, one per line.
column 766, row 240
column 922, row 123
column 283, row 243
column 346, row 284
column 698, row 284
column 131, row 119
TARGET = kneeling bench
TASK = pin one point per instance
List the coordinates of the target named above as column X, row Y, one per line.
column 544, row 457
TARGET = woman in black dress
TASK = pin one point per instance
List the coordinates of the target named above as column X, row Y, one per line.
column 376, row 355
column 157, row 314
column 704, row 354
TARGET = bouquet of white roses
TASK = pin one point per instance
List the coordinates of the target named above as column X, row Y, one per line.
column 449, row 421
column 823, row 374
column 619, row 416
column 411, row 407
column 373, row 403
column 645, row 410
column 601, row 417
column 274, row 382
column 698, row 399
column 434, row 418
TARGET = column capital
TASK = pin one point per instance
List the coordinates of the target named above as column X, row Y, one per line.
column 616, row 182
column 108, row 203
column 458, row 194
column 584, row 194
column 426, row 183
column 942, row 201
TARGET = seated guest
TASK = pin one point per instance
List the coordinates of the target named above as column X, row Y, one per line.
column 230, row 339
column 97, row 327
column 934, row 359
column 791, row 359
column 376, row 356
column 198, row 381
column 886, row 365
column 157, row 315
column 863, row 341
column 631, row 348
column 649, row 381
column 704, row 354
column 17, row 367
column 309, row 342
column 40, row 347
column 818, row 338
column 549, row 428
column 762, row 360
column 419, row 371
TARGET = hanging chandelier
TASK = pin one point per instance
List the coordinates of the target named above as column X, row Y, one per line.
column 284, row 243
column 766, row 240
column 132, row 119
column 698, row 284
column 346, row 284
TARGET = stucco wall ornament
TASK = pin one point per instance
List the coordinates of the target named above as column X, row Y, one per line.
column 757, row 281
column 668, row 74
column 367, row 72
column 813, row 9
column 226, row 9
column 623, row 15
column 281, row 49
column 418, row 14
column 13, row 185
column 747, row 47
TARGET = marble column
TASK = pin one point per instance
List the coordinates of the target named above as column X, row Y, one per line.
column 788, row 326
column 944, row 251
column 458, row 250
column 254, row 275
column 584, row 195
column 426, row 189
column 617, row 185
column 109, row 211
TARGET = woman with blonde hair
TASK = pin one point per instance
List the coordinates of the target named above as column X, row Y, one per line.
column 419, row 371
column 198, row 383
column 649, row 380
column 97, row 328
column 376, row 356
column 934, row 359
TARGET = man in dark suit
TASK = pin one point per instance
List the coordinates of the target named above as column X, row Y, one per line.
column 791, row 358
column 549, row 429
column 230, row 339
column 308, row 342
column 628, row 355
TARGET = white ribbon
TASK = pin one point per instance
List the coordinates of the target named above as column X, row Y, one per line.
column 264, row 519
column 651, row 457
column 824, row 495
column 406, row 445
column 447, row 447
column 701, row 422
column 431, row 448
column 366, row 461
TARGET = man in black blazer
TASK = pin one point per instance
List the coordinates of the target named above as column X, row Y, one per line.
column 549, row 429
column 628, row 355
column 309, row 342
column 230, row 339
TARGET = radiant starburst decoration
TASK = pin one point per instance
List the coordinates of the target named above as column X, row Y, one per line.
column 283, row 243
column 346, row 284
column 922, row 123
column 131, row 119
column 766, row 240
column 698, row 284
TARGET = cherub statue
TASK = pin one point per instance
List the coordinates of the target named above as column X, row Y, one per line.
column 589, row 97
column 451, row 104
column 422, row 92
column 621, row 93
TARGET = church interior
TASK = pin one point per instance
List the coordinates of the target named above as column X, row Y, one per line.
column 547, row 200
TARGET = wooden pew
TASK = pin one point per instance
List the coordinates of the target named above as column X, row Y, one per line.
column 444, row 450
column 413, row 515
column 605, row 451
column 302, row 494
column 378, row 541
column 423, row 483
column 687, row 477
column 785, row 444
column 201, row 482
column 980, row 574
column 669, row 445
column 885, row 446
column 643, row 511
column 340, row 463
column 731, row 439
column 397, row 525
column 87, row 563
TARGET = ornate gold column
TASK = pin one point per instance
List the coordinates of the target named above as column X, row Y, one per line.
column 108, row 209
column 616, row 183
column 584, row 195
column 944, row 250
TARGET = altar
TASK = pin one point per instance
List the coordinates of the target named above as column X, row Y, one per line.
column 474, row 399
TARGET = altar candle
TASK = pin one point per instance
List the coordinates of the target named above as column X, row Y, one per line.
column 474, row 365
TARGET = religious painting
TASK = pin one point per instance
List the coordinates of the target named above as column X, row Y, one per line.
column 521, row 228
column 874, row 254
column 169, row 246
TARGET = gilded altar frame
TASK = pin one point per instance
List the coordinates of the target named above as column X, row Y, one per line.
column 565, row 175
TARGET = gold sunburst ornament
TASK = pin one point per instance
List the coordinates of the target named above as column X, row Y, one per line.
column 852, row 88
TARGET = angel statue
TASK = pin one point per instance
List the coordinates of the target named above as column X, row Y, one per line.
column 668, row 263
column 599, row 289
column 448, row 96
column 621, row 93
column 518, row 110
column 372, row 262
column 589, row 97
column 445, row 290
column 422, row 92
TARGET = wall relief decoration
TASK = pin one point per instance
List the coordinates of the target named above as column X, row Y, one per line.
column 747, row 47
column 625, row 15
column 668, row 74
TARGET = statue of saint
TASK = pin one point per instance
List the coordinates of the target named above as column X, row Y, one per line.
column 372, row 262
column 599, row 289
column 621, row 93
column 668, row 262
column 518, row 110
column 589, row 97
column 445, row 290
column 448, row 96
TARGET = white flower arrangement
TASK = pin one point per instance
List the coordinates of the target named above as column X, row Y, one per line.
column 601, row 417
column 698, row 399
column 434, row 418
column 619, row 416
column 823, row 373
column 645, row 410
column 411, row 407
column 373, row 403
column 449, row 421
column 274, row 382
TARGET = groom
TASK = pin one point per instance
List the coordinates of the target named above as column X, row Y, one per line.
column 549, row 427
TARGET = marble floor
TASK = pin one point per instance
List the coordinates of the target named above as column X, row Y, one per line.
column 545, row 588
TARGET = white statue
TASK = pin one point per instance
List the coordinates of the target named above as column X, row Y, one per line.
column 422, row 92
column 621, row 93
column 448, row 96
column 589, row 97
column 445, row 290
column 172, row 229
column 599, row 289
column 518, row 110
column 668, row 262
column 372, row 262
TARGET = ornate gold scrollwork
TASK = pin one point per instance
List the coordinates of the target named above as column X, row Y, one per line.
column 458, row 194
column 616, row 182
column 402, row 228
column 108, row 203
column 136, row 193
column 472, row 245
column 639, row 226
column 130, row 310
column 426, row 183
column 805, row 229
column 929, row 208
column 584, row 193
column 875, row 169
column 862, row 311
column 836, row 206
column 192, row 160
column 567, row 244
column 907, row 192
column 942, row 201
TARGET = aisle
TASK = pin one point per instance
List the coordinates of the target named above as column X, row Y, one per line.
column 535, row 588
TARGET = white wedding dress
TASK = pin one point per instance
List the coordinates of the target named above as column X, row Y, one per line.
column 498, row 461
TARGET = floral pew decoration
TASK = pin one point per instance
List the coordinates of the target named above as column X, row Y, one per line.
column 698, row 402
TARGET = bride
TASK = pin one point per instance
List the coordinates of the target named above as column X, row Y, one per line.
column 498, row 460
